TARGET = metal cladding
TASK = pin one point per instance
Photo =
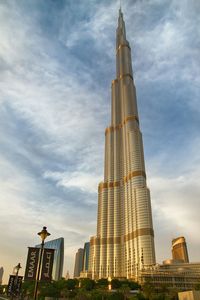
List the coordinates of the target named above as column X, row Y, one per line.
column 124, row 243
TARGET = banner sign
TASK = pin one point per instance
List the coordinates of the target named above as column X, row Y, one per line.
column 47, row 264
column 32, row 263
column 14, row 285
column 18, row 285
column 11, row 284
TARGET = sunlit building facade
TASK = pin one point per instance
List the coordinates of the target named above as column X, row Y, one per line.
column 124, row 243
column 179, row 249
column 173, row 274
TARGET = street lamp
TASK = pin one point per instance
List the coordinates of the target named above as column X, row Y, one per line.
column 43, row 234
column 16, row 269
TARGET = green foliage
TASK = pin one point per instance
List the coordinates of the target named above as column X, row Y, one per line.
column 173, row 295
column 89, row 290
column 49, row 290
column 3, row 287
column 28, row 288
column 81, row 295
column 116, row 296
column 125, row 290
column 103, row 282
column 134, row 285
column 71, row 284
column 148, row 289
column 140, row 296
column 87, row 284
column 197, row 286
column 115, row 283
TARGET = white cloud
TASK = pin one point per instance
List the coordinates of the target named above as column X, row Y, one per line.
column 86, row 182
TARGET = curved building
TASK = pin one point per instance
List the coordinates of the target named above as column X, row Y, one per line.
column 124, row 243
column 179, row 249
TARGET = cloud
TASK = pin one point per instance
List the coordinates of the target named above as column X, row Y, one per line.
column 86, row 182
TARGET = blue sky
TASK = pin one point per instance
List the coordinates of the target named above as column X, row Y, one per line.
column 57, row 60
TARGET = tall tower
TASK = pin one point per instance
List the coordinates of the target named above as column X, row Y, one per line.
column 124, row 243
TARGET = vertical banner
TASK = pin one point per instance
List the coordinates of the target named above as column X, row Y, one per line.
column 14, row 285
column 11, row 285
column 47, row 264
column 32, row 263
column 18, row 285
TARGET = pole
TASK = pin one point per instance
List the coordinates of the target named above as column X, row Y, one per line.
column 38, row 273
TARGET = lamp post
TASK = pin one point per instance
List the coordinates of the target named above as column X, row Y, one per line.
column 43, row 234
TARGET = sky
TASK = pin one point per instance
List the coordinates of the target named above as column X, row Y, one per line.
column 57, row 61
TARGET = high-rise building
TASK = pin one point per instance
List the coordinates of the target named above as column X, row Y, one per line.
column 1, row 274
column 179, row 249
column 58, row 245
column 78, row 266
column 86, row 256
column 124, row 243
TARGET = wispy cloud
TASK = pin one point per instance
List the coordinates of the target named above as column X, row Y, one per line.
column 86, row 182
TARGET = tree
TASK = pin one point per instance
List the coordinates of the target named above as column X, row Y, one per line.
column 125, row 290
column 81, row 295
column 116, row 296
column 164, row 290
column 134, row 285
column 103, row 282
column 71, row 284
column 140, row 296
column 115, row 283
column 174, row 294
column 49, row 290
column 197, row 287
column 28, row 288
column 148, row 289
column 87, row 284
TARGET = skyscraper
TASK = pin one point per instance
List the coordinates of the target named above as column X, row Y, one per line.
column 124, row 243
column 179, row 249
column 78, row 266
column 86, row 256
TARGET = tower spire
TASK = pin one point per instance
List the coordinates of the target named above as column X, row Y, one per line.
column 120, row 4
column 121, row 29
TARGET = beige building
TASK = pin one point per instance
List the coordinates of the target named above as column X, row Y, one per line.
column 124, row 243
column 189, row 295
column 179, row 249
column 173, row 274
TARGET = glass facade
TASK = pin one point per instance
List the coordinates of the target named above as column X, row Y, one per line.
column 86, row 256
column 58, row 245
